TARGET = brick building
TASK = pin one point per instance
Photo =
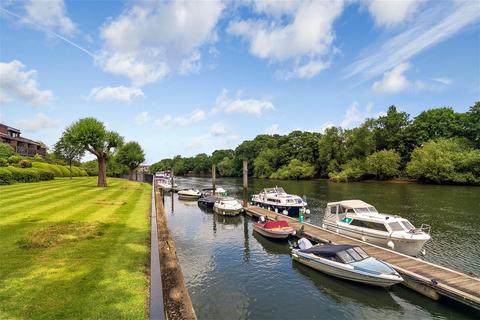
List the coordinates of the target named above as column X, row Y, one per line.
column 22, row 146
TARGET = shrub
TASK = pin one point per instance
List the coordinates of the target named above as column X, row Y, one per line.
column 351, row 171
column 3, row 162
column 5, row 176
column 6, row 151
column 383, row 164
column 45, row 175
column 14, row 159
column 24, row 175
column 38, row 157
column 25, row 164
column 65, row 171
column 60, row 171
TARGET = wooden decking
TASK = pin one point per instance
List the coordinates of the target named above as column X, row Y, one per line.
column 425, row 277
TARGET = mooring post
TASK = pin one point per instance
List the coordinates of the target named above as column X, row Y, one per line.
column 214, row 174
column 245, row 182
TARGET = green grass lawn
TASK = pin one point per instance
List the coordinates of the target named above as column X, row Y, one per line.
column 70, row 250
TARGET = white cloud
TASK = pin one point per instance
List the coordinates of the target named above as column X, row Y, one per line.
column 392, row 12
column 273, row 129
column 251, row 106
column 438, row 22
column 218, row 129
column 393, row 80
column 443, row 80
column 354, row 116
column 50, row 15
column 299, row 34
column 194, row 117
column 17, row 83
column 142, row 118
column 118, row 94
column 152, row 39
column 41, row 121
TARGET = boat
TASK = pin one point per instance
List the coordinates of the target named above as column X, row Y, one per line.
column 274, row 229
column 188, row 194
column 163, row 174
column 276, row 199
column 228, row 206
column 208, row 202
column 219, row 191
column 346, row 261
column 166, row 184
column 360, row 220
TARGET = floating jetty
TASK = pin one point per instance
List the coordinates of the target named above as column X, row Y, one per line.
column 424, row 277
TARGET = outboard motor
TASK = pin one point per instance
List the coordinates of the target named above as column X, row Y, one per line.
column 304, row 243
column 262, row 219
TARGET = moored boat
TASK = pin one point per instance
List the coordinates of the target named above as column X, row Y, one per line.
column 188, row 194
column 360, row 220
column 219, row 191
column 276, row 199
column 348, row 262
column 274, row 229
column 208, row 202
column 228, row 206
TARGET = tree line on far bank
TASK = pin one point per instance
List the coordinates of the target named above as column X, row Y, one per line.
column 439, row 145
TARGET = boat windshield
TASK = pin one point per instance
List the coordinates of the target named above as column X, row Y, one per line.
column 366, row 210
column 352, row 255
column 395, row 226
column 408, row 225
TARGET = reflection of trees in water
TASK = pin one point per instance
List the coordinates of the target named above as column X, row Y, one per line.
column 246, row 250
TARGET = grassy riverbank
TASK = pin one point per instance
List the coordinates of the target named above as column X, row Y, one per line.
column 71, row 250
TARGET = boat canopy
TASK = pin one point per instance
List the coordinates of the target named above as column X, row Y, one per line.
column 328, row 249
column 274, row 190
column 358, row 206
column 275, row 224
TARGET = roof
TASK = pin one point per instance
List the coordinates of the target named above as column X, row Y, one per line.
column 327, row 249
column 21, row 139
column 351, row 204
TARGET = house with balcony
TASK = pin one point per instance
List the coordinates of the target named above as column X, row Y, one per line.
column 21, row 145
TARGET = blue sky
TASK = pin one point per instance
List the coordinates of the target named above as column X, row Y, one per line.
column 191, row 77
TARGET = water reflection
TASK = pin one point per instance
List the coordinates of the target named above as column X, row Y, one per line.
column 281, row 246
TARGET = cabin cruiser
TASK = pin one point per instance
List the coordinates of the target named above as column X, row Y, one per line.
column 189, row 194
column 360, row 220
column 163, row 174
column 347, row 262
column 276, row 199
column 228, row 206
column 219, row 191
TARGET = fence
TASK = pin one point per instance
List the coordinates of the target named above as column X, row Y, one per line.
column 140, row 177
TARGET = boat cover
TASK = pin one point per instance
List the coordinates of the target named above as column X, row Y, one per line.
column 328, row 249
column 275, row 224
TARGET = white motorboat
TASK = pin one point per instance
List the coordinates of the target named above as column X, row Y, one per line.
column 189, row 194
column 347, row 262
column 166, row 184
column 228, row 206
column 219, row 191
column 276, row 199
column 360, row 220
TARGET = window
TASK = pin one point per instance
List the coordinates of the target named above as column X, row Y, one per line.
column 372, row 209
column 361, row 210
column 354, row 254
column 341, row 209
column 395, row 226
column 350, row 211
column 333, row 210
column 345, row 257
column 407, row 225
column 369, row 225
column 362, row 253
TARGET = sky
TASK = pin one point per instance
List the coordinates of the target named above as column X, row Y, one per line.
column 185, row 77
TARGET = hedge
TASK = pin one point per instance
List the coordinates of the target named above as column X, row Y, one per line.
column 59, row 170
column 11, row 174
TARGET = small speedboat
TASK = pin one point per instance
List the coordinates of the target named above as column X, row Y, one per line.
column 219, row 191
column 347, row 262
column 274, row 229
column 208, row 202
column 228, row 206
column 188, row 194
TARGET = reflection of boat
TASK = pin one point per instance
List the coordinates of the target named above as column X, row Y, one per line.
column 272, row 246
column 228, row 220
column 347, row 262
column 228, row 206
column 219, row 191
column 361, row 220
column 208, row 202
column 276, row 199
column 188, row 194
column 274, row 229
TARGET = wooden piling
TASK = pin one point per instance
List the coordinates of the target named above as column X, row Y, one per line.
column 214, row 177
column 245, row 182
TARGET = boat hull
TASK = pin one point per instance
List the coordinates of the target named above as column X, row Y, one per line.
column 292, row 211
column 381, row 281
column 227, row 212
column 188, row 197
column 273, row 233
column 411, row 247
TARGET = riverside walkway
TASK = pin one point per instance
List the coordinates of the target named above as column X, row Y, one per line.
column 424, row 277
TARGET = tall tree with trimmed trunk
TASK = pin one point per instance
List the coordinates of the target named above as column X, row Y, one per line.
column 94, row 138
column 130, row 154
column 69, row 151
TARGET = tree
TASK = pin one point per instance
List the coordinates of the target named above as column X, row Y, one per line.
column 446, row 160
column 331, row 150
column 471, row 124
column 94, row 138
column 383, row 164
column 131, row 155
column 6, row 151
column 359, row 142
column 296, row 169
column 69, row 151
column 389, row 130
column 263, row 165
column 226, row 167
column 353, row 169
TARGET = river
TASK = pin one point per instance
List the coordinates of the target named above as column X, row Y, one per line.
column 233, row 273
